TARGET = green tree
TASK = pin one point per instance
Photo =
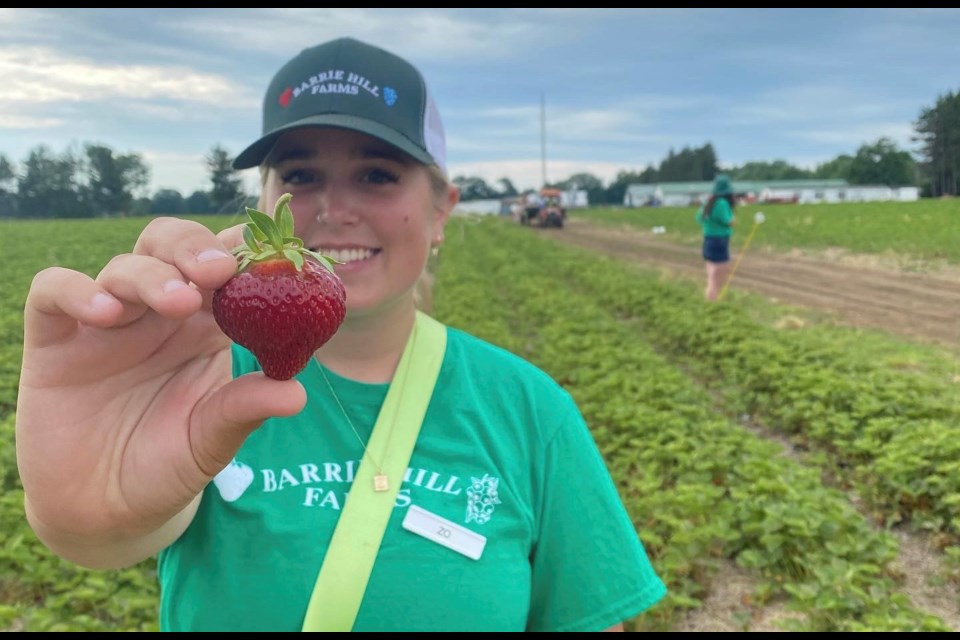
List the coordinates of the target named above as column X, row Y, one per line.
column 586, row 182
column 776, row 170
column 140, row 206
column 507, row 189
column 112, row 180
column 474, row 188
column 8, row 186
column 883, row 163
column 198, row 202
column 618, row 188
column 690, row 165
column 226, row 193
column 49, row 186
column 938, row 132
column 836, row 169
column 8, row 174
column 649, row 176
column 167, row 202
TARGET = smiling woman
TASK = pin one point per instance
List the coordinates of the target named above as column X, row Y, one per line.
column 455, row 453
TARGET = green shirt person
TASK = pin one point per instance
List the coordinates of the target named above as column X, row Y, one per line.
column 716, row 219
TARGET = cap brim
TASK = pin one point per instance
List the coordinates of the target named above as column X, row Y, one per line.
column 255, row 154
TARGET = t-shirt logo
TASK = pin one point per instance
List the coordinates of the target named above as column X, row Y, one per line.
column 233, row 480
column 482, row 497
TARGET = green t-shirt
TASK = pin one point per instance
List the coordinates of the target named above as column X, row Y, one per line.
column 718, row 224
column 503, row 451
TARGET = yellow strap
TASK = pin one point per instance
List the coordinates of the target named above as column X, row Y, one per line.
column 353, row 549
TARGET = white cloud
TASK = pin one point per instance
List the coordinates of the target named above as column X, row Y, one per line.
column 183, row 172
column 32, row 76
column 855, row 135
column 18, row 121
column 447, row 34
column 187, row 172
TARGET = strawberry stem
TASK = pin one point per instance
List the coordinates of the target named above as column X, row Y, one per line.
column 267, row 238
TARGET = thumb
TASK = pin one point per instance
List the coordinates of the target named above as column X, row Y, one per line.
column 226, row 418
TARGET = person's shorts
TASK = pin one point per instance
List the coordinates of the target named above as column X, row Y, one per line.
column 716, row 248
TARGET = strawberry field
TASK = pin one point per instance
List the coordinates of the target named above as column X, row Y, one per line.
column 794, row 455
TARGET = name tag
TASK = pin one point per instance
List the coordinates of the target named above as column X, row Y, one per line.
column 444, row 532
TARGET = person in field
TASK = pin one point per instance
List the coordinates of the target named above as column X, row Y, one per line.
column 142, row 431
column 716, row 219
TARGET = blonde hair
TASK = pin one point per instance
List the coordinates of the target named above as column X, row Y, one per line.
column 423, row 289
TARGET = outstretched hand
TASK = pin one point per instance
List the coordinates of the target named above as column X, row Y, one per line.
column 127, row 407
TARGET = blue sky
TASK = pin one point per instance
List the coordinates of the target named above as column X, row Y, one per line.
column 621, row 87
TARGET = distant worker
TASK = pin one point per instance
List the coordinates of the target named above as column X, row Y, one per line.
column 716, row 218
column 532, row 206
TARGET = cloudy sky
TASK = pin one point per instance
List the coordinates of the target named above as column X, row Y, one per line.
column 620, row 87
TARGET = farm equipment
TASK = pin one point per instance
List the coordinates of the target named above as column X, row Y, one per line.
column 544, row 211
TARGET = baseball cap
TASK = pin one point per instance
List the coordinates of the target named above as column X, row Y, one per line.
column 350, row 84
column 722, row 186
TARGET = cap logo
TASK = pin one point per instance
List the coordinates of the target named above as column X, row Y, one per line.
column 390, row 96
column 335, row 81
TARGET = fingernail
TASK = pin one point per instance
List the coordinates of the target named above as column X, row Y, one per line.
column 212, row 254
column 102, row 301
column 173, row 285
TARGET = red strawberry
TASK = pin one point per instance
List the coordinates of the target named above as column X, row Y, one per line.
column 285, row 301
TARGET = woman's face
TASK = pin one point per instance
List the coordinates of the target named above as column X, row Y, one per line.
column 364, row 203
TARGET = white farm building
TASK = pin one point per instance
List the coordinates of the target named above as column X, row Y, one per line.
column 682, row 194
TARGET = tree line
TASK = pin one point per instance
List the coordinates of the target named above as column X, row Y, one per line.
column 878, row 163
column 96, row 181
column 99, row 182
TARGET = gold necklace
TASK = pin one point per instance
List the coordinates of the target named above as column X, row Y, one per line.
column 379, row 479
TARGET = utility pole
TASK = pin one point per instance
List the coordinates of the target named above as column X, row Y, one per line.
column 543, row 141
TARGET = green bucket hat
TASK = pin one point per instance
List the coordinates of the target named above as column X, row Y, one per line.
column 349, row 84
column 722, row 186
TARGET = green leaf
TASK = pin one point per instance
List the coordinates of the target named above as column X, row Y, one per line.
column 257, row 233
column 267, row 225
column 282, row 202
column 295, row 257
column 322, row 259
column 285, row 216
column 268, row 238
column 250, row 238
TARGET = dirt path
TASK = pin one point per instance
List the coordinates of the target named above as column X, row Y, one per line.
column 861, row 292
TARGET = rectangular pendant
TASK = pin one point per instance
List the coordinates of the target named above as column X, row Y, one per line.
column 380, row 482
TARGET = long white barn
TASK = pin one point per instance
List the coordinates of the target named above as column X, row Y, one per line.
column 682, row 194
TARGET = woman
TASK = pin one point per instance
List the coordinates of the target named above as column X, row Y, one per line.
column 142, row 431
column 716, row 218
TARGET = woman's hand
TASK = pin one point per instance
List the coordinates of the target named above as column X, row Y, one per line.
column 127, row 407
